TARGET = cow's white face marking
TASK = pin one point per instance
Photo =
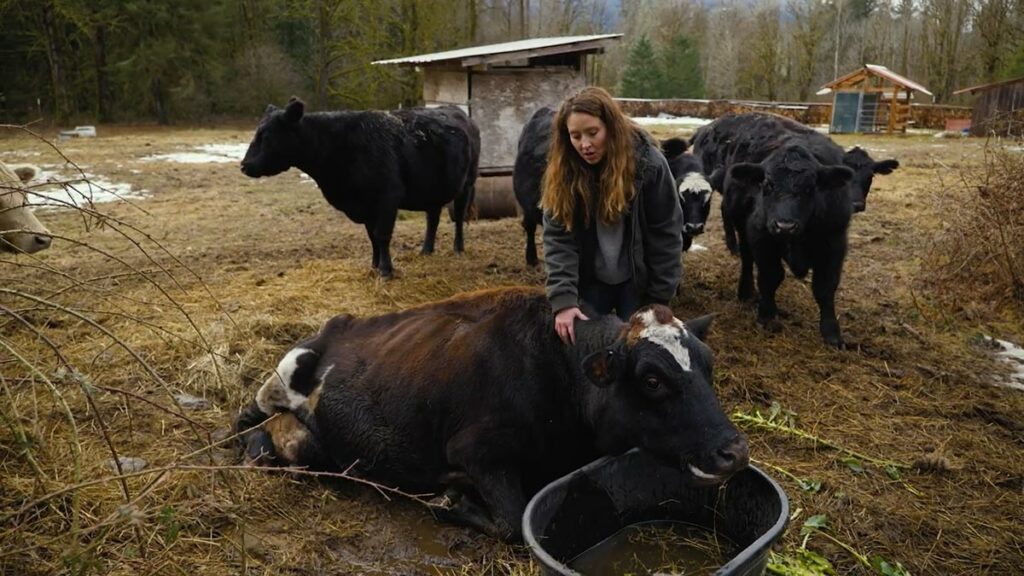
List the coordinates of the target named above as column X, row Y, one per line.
column 277, row 393
column 694, row 183
column 668, row 336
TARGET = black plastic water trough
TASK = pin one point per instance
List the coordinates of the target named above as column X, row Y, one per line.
column 580, row 510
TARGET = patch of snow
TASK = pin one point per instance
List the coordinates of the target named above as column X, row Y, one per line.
column 698, row 247
column 204, row 154
column 667, row 119
column 1014, row 355
column 1014, row 148
column 56, row 186
column 20, row 153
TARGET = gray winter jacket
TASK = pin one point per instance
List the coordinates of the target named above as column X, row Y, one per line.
column 653, row 238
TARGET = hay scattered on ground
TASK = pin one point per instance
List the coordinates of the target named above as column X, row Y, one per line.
column 201, row 287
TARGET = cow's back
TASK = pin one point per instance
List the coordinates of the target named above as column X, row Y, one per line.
column 402, row 385
column 439, row 150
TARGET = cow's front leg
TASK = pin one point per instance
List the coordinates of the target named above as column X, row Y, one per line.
column 501, row 489
column 460, row 508
column 383, row 229
column 373, row 243
column 433, row 219
column 824, row 284
column 476, row 451
column 769, row 276
column 745, row 290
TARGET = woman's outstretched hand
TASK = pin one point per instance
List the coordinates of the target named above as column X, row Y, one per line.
column 564, row 323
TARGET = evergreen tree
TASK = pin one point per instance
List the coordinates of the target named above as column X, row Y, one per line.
column 680, row 64
column 642, row 77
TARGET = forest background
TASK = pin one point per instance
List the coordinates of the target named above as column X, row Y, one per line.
column 186, row 61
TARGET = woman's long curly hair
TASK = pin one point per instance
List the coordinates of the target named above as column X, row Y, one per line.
column 568, row 178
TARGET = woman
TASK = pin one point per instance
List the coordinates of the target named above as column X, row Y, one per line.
column 612, row 221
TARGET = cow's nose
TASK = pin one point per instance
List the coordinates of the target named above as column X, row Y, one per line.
column 785, row 226
column 858, row 206
column 733, row 457
column 245, row 168
column 42, row 241
column 693, row 229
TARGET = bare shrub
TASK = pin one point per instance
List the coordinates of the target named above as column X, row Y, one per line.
column 980, row 252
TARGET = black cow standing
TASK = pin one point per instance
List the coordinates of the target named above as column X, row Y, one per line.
column 747, row 133
column 788, row 207
column 528, row 173
column 371, row 164
column 476, row 396
column 531, row 161
column 692, row 186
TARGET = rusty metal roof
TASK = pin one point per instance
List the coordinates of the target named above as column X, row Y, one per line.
column 989, row 86
column 879, row 71
column 510, row 50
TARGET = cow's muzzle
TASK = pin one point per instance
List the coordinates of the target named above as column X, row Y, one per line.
column 784, row 227
column 691, row 229
column 859, row 207
column 722, row 464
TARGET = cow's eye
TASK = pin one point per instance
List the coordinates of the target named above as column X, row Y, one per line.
column 652, row 383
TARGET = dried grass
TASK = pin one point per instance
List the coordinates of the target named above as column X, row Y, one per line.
column 200, row 288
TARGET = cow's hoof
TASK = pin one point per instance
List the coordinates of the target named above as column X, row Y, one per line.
column 840, row 344
column 772, row 325
column 259, row 449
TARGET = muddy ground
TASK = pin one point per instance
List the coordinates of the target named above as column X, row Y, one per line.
column 202, row 285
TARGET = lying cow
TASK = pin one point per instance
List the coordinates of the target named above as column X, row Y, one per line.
column 532, row 158
column 20, row 231
column 371, row 164
column 477, row 395
column 716, row 142
column 691, row 185
column 789, row 207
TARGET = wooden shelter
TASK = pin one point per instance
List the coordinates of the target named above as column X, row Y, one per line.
column 501, row 85
column 998, row 109
column 871, row 99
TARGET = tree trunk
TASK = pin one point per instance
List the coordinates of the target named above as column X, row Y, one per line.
column 524, row 10
column 159, row 102
column 472, row 21
column 103, row 92
column 323, row 64
column 51, row 38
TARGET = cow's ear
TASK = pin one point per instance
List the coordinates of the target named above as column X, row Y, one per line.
column 293, row 111
column 886, row 166
column 674, row 147
column 717, row 179
column 699, row 326
column 830, row 177
column 270, row 110
column 747, row 173
column 603, row 367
